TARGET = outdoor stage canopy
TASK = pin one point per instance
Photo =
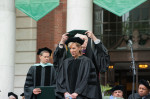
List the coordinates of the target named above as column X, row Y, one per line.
column 39, row 8
column 118, row 7
column 36, row 8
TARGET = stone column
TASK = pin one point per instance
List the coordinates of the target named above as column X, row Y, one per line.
column 79, row 14
column 7, row 46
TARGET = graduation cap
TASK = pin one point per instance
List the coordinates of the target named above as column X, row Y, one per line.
column 22, row 94
column 74, row 32
column 145, row 83
column 74, row 39
column 12, row 94
column 117, row 87
column 44, row 49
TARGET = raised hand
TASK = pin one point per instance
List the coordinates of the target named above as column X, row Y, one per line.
column 64, row 38
column 91, row 35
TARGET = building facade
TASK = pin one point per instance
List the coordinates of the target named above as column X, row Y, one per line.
column 114, row 32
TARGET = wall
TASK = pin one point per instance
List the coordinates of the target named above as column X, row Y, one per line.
column 51, row 27
column 26, row 36
column 32, row 35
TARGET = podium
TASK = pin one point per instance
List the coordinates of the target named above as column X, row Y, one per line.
column 47, row 92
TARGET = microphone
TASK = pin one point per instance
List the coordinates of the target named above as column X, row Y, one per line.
column 130, row 41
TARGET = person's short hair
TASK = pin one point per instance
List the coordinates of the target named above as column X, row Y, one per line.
column 45, row 49
column 146, row 83
column 12, row 94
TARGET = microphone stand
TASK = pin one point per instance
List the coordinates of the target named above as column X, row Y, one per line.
column 133, row 69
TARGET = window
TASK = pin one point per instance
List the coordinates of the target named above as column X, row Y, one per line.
column 110, row 28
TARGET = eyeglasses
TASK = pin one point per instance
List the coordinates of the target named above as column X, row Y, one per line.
column 46, row 56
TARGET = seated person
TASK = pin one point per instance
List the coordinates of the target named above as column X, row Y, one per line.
column 22, row 95
column 11, row 95
column 117, row 91
column 143, row 90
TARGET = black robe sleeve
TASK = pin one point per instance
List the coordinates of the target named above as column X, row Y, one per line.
column 87, row 83
column 61, row 82
column 53, row 75
column 101, row 57
column 58, row 57
column 29, row 83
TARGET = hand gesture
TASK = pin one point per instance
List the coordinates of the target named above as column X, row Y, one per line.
column 74, row 95
column 67, row 95
column 91, row 35
column 64, row 38
column 36, row 91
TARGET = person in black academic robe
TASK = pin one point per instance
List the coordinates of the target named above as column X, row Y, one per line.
column 41, row 74
column 77, row 76
column 143, row 90
column 95, row 50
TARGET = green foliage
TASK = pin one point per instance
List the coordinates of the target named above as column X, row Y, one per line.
column 105, row 88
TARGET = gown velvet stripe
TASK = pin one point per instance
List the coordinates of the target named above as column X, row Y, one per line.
column 47, row 71
column 73, row 74
column 47, row 76
column 38, row 75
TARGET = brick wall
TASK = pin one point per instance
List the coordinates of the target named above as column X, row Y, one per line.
column 51, row 27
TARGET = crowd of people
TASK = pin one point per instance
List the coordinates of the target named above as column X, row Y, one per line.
column 117, row 92
column 78, row 60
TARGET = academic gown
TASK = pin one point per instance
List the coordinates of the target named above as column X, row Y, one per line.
column 137, row 96
column 96, row 52
column 38, row 76
column 99, row 55
column 78, row 76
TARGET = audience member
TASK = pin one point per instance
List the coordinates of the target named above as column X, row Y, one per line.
column 117, row 91
column 12, row 95
column 22, row 95
column 143, row 90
